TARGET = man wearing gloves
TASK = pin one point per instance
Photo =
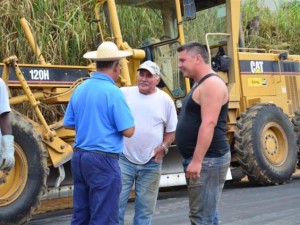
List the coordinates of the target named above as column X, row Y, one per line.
column 7, row 159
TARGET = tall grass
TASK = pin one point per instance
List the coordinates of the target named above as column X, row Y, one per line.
column 139, row 24
column 277, row 29
column 58, row 26
column 206, row 22
column 61, row 28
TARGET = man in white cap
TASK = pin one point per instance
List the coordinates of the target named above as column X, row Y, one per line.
column 155, row 123
column 7, row 159
column 101, row 117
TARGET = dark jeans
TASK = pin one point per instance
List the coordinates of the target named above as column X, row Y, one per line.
column 205, row 192
column 97, row 187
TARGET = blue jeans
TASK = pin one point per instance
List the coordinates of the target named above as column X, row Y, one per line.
column 97, row 187
column 205, row 192
column 146, row 178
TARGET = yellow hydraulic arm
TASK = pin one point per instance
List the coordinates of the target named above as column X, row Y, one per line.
column 59, row 151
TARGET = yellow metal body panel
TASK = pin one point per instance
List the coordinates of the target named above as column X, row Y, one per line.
column 266, row 79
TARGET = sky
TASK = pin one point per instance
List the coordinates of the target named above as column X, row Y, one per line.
column 271, row 4
column 274, row 3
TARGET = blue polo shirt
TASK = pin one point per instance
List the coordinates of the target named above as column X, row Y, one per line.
column 99, row 113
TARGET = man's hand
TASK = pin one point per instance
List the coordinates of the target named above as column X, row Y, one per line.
column 193, row 170
column 7, row 157
column 159, row 154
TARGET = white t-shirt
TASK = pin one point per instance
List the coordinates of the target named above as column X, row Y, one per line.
column 4, row 102
column 152, row 115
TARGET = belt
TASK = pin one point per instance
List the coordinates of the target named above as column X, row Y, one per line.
column 114, row 155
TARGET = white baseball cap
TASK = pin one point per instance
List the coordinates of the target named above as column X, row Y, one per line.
column 152, row 67
column 107, row 51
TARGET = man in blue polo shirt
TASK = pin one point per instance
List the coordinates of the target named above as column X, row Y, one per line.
column 101, row 117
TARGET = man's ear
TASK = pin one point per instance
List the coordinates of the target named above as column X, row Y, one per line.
column 199, row 58
column 158, row 80
column 116, row 67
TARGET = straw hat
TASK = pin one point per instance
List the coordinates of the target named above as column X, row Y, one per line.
column 107, row 51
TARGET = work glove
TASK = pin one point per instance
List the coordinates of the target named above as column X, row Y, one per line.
column 7, row 153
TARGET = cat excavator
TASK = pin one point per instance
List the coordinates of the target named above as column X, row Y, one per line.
column 263, row 122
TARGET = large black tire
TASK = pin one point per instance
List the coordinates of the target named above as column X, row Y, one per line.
column 266, row 144
column 296, row 123
column 26, row 183
column 237, row 173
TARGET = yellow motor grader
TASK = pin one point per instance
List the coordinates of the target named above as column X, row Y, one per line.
column 263, row 120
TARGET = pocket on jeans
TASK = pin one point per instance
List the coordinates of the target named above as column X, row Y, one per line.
column 193, row 182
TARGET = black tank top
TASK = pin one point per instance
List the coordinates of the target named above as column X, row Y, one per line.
column 188, row 125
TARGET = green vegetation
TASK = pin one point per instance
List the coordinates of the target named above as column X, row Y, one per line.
column 277, row 29
column 140, row 24
column 61, row 28
column 58, row 26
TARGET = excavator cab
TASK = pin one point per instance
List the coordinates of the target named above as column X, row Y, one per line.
column 157, row 44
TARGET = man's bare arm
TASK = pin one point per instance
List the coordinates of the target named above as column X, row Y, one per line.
column 168, row 138
column 5, row 124
column 128, row 132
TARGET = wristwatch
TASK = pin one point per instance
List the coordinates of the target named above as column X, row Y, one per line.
column 165, row 148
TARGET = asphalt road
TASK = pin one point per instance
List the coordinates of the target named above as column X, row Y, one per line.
column 241, row 204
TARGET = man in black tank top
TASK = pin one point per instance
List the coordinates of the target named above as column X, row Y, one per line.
column 201, row 134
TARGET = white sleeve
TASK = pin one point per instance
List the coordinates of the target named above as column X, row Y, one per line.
column 4, row 101
column 171, row 122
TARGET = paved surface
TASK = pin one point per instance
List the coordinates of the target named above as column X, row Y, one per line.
column 241, row 204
